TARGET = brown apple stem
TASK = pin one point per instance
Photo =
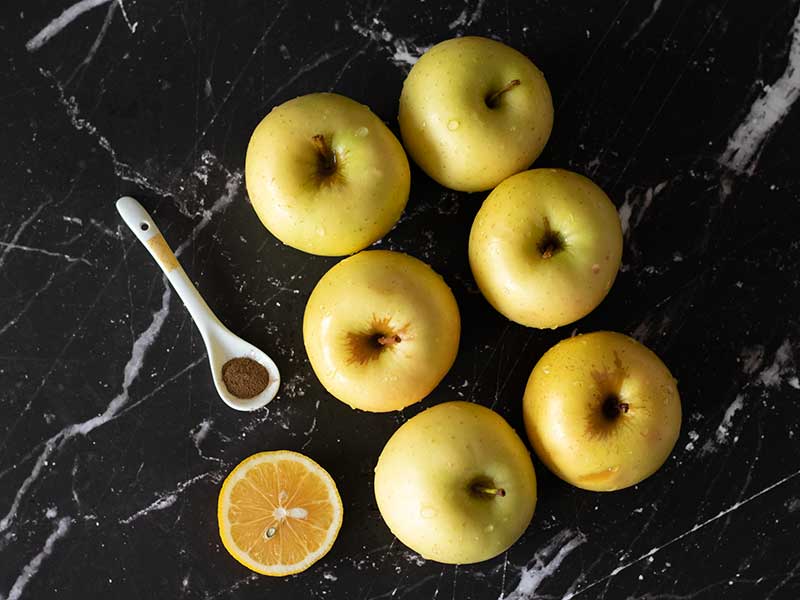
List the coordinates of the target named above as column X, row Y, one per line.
column 551, row 243
column 491, row 101
column 482, row 489
column 389, row 340
column 327, row 158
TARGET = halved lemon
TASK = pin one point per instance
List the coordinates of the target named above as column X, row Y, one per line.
column 278, row 512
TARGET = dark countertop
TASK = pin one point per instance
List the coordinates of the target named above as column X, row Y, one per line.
column 113, row 442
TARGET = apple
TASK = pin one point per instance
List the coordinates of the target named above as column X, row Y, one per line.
column 602, row 411
column 456, row 484
column 381, row 330
column 325, row 175
column 474, row 111
column 545, row 247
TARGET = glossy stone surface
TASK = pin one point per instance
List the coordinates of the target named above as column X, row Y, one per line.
column 113, row 442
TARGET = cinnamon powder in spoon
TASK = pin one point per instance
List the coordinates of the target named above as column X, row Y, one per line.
column 244, row 377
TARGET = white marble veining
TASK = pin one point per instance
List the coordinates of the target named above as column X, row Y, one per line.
column 544, row 564
column 139, row 349
column 781, row 369
column 25, row 307
column 695, row 528
column 167, row 499
column 12, row 243
column 646, row 21
column 80, row 467
column 60, row 22
column 131, row 371
column 112, row 7
column 468, row 15
column 722, row 433
column 770, row 108
column 32, row 568
column 404, row 52
column 635, row 205
column 21, row 248
column 131, row 26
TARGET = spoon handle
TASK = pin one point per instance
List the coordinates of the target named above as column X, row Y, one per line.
column 145, row 229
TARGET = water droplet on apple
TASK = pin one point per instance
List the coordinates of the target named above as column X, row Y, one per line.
column 320, row 230
column 427, row 512
column 452, row 125
column 489, row 528
column 362, row 132
column 423, row 125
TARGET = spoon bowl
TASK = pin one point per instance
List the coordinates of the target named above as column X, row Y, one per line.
column 221, row 344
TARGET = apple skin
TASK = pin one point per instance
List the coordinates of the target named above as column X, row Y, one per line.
column 380, row 292
column 507, row 261
column 447, row 126
column 326, row 215
column 423, row 483
column 566, row 422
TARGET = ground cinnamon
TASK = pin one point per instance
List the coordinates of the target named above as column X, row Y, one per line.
column 244, row 377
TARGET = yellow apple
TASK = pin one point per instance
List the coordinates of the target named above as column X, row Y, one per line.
column 545, row 247
column 456, row 484
column 381, row 330
column 602, row 411
column 325, row 175
column 474, row 111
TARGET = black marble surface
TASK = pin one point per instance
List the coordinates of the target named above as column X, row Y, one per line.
column 113, row 442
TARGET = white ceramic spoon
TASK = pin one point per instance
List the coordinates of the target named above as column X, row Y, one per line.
column 221, row 344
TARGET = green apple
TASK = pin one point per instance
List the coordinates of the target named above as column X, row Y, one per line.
column 456, row 484
column 474, row 111
column 545, row 247
column 325, row 175
column 381, row 330
column 602, row 411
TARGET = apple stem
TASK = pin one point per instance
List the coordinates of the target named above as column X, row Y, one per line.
column 489, row 490
column 491, row 101
column 327, row 158
column 624, row 406
column 389, row 340
column 551, row 243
